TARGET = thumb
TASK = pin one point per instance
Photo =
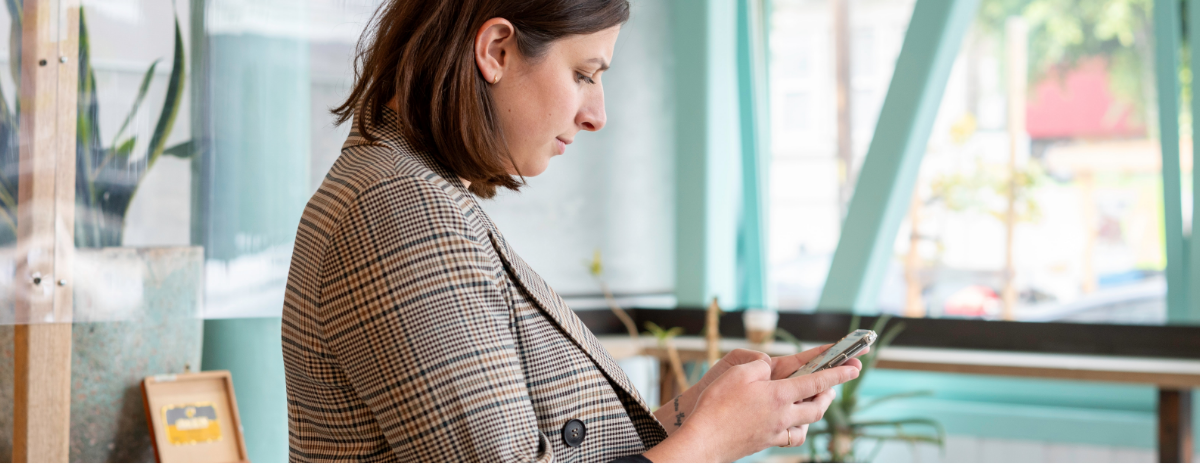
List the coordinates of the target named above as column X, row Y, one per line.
column 751, row 372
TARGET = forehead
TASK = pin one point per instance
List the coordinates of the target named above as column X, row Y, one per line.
column 597, row 45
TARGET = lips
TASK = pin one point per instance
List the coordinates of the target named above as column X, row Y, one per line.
column 560, row 145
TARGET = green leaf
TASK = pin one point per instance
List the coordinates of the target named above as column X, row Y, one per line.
column 137, row 102
column 7, row 118
column 788, row 337
column 120, row 152
column 123, row 150
column 183, row 150
column 893, row 423
column 16, row 16
column 881, row 323
column 837, row 416
column 171, row 104
column 901, row 437
column 894, row 396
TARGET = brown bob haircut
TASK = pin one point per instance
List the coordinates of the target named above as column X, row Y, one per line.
column 422, row 53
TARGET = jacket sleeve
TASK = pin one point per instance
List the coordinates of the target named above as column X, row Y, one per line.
column 413, row 309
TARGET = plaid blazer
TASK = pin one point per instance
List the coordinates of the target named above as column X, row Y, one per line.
column 413, row 332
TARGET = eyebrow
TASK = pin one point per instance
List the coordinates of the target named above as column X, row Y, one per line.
column 603, row 64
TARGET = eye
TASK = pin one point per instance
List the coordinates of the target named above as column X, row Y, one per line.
column 579, row 77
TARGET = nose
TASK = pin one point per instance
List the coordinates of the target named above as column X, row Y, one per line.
column 591, row 115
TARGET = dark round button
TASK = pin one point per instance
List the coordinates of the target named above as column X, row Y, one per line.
column 574, row 432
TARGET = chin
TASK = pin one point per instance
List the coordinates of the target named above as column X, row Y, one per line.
column 535, row 169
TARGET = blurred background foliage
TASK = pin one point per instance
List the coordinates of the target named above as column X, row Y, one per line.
column 1062, row 33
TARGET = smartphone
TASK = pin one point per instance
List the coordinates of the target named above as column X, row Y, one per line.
column 846, row 348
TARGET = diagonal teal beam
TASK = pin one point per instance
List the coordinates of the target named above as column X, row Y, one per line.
column 885, row 183
column 1166, row 79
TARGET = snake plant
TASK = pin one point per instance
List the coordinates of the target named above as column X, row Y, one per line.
column 843, row 427
column 107, row 175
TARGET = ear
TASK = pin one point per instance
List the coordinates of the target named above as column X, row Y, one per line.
column 494, row 45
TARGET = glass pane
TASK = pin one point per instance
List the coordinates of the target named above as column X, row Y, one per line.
column 10, row 79
column 1073, row 181
column 810, row 184
column 271, row 71
column 134, row 170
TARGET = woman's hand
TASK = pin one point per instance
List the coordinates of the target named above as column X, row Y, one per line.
column 674, row 413
column 744, row 411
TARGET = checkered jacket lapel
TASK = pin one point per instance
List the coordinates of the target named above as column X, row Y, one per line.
column 543, row 296
column 558, row 311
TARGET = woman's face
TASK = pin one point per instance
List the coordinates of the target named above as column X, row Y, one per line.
column 543, row 103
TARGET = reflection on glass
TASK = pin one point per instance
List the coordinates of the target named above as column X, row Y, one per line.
column 10, row 79
column 9, row 153
column 132, row 156
column 270, row 72
column 110, row 169
column 206, row 123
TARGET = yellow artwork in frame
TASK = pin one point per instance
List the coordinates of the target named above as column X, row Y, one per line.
column 191, row 423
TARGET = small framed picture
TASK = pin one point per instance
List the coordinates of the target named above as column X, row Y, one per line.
column 194, row 417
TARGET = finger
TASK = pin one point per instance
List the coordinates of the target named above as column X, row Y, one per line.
column 783, row 366
column 799, row 435
column 853, row 362
column 811, row 412
column 743, row 356
column 810, row 384
column 750, row 372
column 793, row 437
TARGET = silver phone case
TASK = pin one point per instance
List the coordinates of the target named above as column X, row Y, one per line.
column 846, row 348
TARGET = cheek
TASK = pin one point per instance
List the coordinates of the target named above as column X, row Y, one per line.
column 542, row 107
column 553, row 101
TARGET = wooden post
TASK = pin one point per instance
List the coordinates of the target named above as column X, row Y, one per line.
column 914, row 304
column 1016, row 58
column 1174, row 425
column 45, row 236
column 1087, row 186
column 712, row 332
column 845, row 143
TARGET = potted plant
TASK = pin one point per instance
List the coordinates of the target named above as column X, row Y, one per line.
column 136, row 309
column 843, row 426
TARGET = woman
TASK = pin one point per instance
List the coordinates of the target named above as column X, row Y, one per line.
column 414, row 332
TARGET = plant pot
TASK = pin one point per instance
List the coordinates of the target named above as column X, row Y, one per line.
column 137, row 313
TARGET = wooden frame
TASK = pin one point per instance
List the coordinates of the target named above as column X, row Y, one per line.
column 215, row 388
column 45, row 235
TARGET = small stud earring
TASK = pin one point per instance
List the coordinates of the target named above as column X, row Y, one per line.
column 496, row 80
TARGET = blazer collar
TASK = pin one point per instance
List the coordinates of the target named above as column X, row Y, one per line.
column 540, row 292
